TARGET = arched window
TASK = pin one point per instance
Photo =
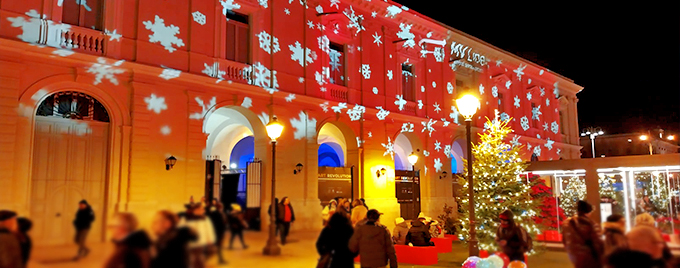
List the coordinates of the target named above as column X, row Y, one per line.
column 73, row 105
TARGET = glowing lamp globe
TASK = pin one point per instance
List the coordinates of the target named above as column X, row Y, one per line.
column 467, row 106
column 643, row 137
column 413, row 159
column 274, row 129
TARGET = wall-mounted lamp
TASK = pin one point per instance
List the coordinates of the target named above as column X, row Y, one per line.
column 170, row 162
column 380, row 172
column 298, row 168
column 443, row 175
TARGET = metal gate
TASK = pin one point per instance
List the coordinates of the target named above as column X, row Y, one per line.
column 253, row 193
column 407, row 186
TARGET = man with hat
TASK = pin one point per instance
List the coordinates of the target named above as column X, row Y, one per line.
column 514, row 241
column 373, row 242
column 581, row 239
column 10, row 251
column 419, row 233
column 82, row 223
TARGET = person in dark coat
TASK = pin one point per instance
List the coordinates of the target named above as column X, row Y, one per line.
column 615, row 234
column 373, row 242
column 132, row 246
column 25, row 242
column 236, row 225
column 513, row 240
column 581, row 240
column 82, row 223
column 419, row 234
column 219, row 222
column 284, row 217
column 334, row 239
column 626, row 258
column 10, row 249
column 172, row 243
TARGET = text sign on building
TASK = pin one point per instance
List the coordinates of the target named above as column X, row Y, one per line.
column 334, row 182
column 464, row 55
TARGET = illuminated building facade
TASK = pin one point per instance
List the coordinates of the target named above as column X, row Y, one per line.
column 95, row 96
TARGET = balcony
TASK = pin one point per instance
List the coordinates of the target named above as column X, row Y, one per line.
column 337, row 93
column 82, row 39
column 410, row 108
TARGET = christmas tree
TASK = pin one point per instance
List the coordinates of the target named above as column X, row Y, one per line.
column 655, row 189
column 551, row 215
column 574, row 191
column 607, row 187
column 498, row 186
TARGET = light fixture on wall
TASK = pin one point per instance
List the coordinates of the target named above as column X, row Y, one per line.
column 170, row 162
column 380, row 172
column 298, row 168
column 443, row 175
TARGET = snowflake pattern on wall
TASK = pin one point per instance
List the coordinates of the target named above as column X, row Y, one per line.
column 454, row 115
column 301, row 55
column 356, row 113
column 428, row 126
column 407, row 127
column 400, row 102
column 436, row 107
column 304, row 126
column 437, row 145
column 542, row 90
column 426, row 153
column 406, row 34
column 169, row 73
column 228, row 5
column 287, row 11
column 392, row 11
column 528, row 95
column 165, row 130
column 113, row 35
column 376, row 39
column 263, row 76
column 334, row 60
column 63, row 52
column 494, row 91
column 447, row 151
column 205, row 107
column 324, row 106
column 520, row 71
column 554, row 127
column 438, row 54
column 365, row 71
column 517, row 102
column 266, row 42
column 524, row 123
column 370, row 134
column 529, row 81
column 515, row 141
column 247, row 103
column 529, row 146
column 338, row 108
column 389, row 74
column 101, row 69
column 375, row 90
column 198, row 17
column 508, row 84
column 536, row 112
column 382, row 113
column 155, row 103
column 214, row 71
column 545, row 126
column 547, row 102
column 335, row 3
column 264, row 117
column 389, row 148
column 481, row 89
column 31, row 29
column 504, row 117
column 324, row 43
column 556, row 90
column 263, row 3
column 354, row 20
column 537, row 150
column 449, row 87
column 290, row 97
column 549, row 144
column 445, row 123
column 165, row 35
column 420, row 104
column 310, row 24
column 437, row 165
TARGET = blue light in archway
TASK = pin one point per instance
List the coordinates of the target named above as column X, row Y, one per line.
column 330, row 155
column 243, row 152
column 398, row 164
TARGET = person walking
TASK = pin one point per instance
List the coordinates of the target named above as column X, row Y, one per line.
column 82, row 223
column 513, row 239
column 400, row 231
column 581, row 240
column 358, row 212
column 333, row 243
column 237, row 224
column 201, row 248
column 132, row 246
column 328, row 211
column 285, row 216
column 614, row 234
column 219, row 222
column 172, row 243
column 373, row 242
column 419, row 233
column 10, row 248
column 25, row 242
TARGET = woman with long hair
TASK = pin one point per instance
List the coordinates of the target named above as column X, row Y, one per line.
column 284, row 216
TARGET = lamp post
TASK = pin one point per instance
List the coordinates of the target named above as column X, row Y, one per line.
column 592, row 132
column 649, row 142
column 413, row 159
column 274, row 129
column 467, row 106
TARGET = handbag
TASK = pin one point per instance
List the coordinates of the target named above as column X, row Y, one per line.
column 325, row 260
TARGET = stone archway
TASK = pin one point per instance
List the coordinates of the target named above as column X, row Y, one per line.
column 337, row 157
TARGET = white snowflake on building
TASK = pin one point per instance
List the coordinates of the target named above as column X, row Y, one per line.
column 301, row 80
column 267, row 43
column 426, row 153
column 354, row 20
column 438, row 54
column 228, row 5
column 101, row 69
column 504, row 117
column 528, row 95
column 247, row 103
column 454, row 115
column 407, row 127
column 437, row 165
column 334, row 60
column 165, row 35
column 389, row 74
column 37, row 29
column 529, row 81
column 556, row 91
column 359, row 142
column 304, row 126
column 290, row 97
column 436, row 107
column 508, row 84
column 263, row 3
column 165, row 130
column 529, row 146
column 374, row 14
column 449, row 87
column 445, row 123
column 263, row 76
column 537, row 150
column 515, row 141
column 406, row 35
column 547, row 101
column 365, row 71
column 524, row 122
column 545, row 126
column 324, row 43
column 205, row 107
column 400, row 102
column 198, row 17
column 370, row 134
column 447, row 151
column 287, row 11
column 310, row 24
column 356, row 113
column 520, row 71
column 113, row 35
column 324, row 106
column 428, row 126
column 155, row 103
column 549, row 144
column 301, row 55
column 338, row 108
column 375, row 90
column 319, row 9
column 437, row 145
column 558, row 151
column 335, row 3
column 393, row 11
column 499, row 62
column 494, row 91
column 389, row 148
column 169, row 73
column 63, row 52
column 382, row 113
column 554, row 127
column 536, row 112
column 376, row 39
column 481, row 89
column 517, row 101
column 214, row 71
column 542, row 89
column 264, row 117
column 420, row 104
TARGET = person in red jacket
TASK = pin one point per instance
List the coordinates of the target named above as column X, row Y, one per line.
column 284, row 216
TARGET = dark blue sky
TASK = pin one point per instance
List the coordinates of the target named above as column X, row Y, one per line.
column 626, row 56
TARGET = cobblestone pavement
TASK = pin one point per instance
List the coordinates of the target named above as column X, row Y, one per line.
column 299, row 252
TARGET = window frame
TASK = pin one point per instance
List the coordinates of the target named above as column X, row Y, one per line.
column 236, row 19
column 343, row 67
column 99, row 24
column 404, row 82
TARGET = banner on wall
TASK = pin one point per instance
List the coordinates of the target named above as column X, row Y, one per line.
column 334, row 182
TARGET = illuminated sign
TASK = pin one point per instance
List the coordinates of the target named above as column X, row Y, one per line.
column 464, row 55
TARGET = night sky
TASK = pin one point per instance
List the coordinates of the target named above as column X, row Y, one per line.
column 626, row 57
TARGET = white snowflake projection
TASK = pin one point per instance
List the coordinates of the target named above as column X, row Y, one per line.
column 499, row 62
column 228, row 5
column 437, row 109
column 214, row 71
column 538, row 136
column 420, row 104
column 422, row 88
column 529, row 96
column 37, row 29
column 537, row 150
column 392, row 11
column 529, row 81
column 263, row 3
column 301, row 55
column 165, row 130
column 263, row 77
column 428, row 126
column 334, row 60
column 449, row 87
column 541, row 72
column 549, row 144
column 438, row 165
column 370, row 134
column 382, row 113
column 481, row 89
column 247, row 102
column 520, row 71
column 508, row 84
column 556, row 91
column 437, row 145
column 169, row 73
column 287, row 11
column 375, row 90
column 389, row 74
column 198, row 17
column 374, row 14
column 204, row 108
column 529, row 146
column 113, row 35
column 339, row 107
column 517, row 101
column 359, row 142
column 335, row 3
column 406, row 35
column 320, row 26
column 356, row 113
column 494, row 91
column 365, row 71
column 515, row 141
column 310, row 24
column 290, row 97
column 454, row 115
column 319, row 9
column 434, row 84
column 447, row 151
column 304, row 126
column 324, row 106
column 536, row 113
column 63, row 52
column 354, row 20
column 324, row 43
column 426, row 153
column 542, row 89
column 504, row 117
column 558, row 151
column 377, row 39
column 524, row 123
column 547, row 102
column 545, row 126
column 445, row 123
column 155, row 103
column 554, row 127
column 165, row 35
column 407, row 127
column 389, row 148
column 438, row 54
column 400, row 102
column 264, row 117
column 101, row 69
column 267, row 43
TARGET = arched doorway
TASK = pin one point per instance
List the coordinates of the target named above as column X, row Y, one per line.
column 335, row 174
column 406, row 179
column 458, row 153
column 70, row 160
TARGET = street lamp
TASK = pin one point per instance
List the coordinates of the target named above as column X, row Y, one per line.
column 467, row 106
column 592, row 132
column 413, row 159
column 644, row 137
column 274, row 129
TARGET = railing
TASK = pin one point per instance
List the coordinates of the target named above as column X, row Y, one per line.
column 83, row 39
column 410, row 108
column 337, row 93
column 237, row 71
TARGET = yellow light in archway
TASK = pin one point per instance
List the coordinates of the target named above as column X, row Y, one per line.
column 274, row 129
column 413, row 158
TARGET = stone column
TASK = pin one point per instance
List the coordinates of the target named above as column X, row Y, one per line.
column 593, row 192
